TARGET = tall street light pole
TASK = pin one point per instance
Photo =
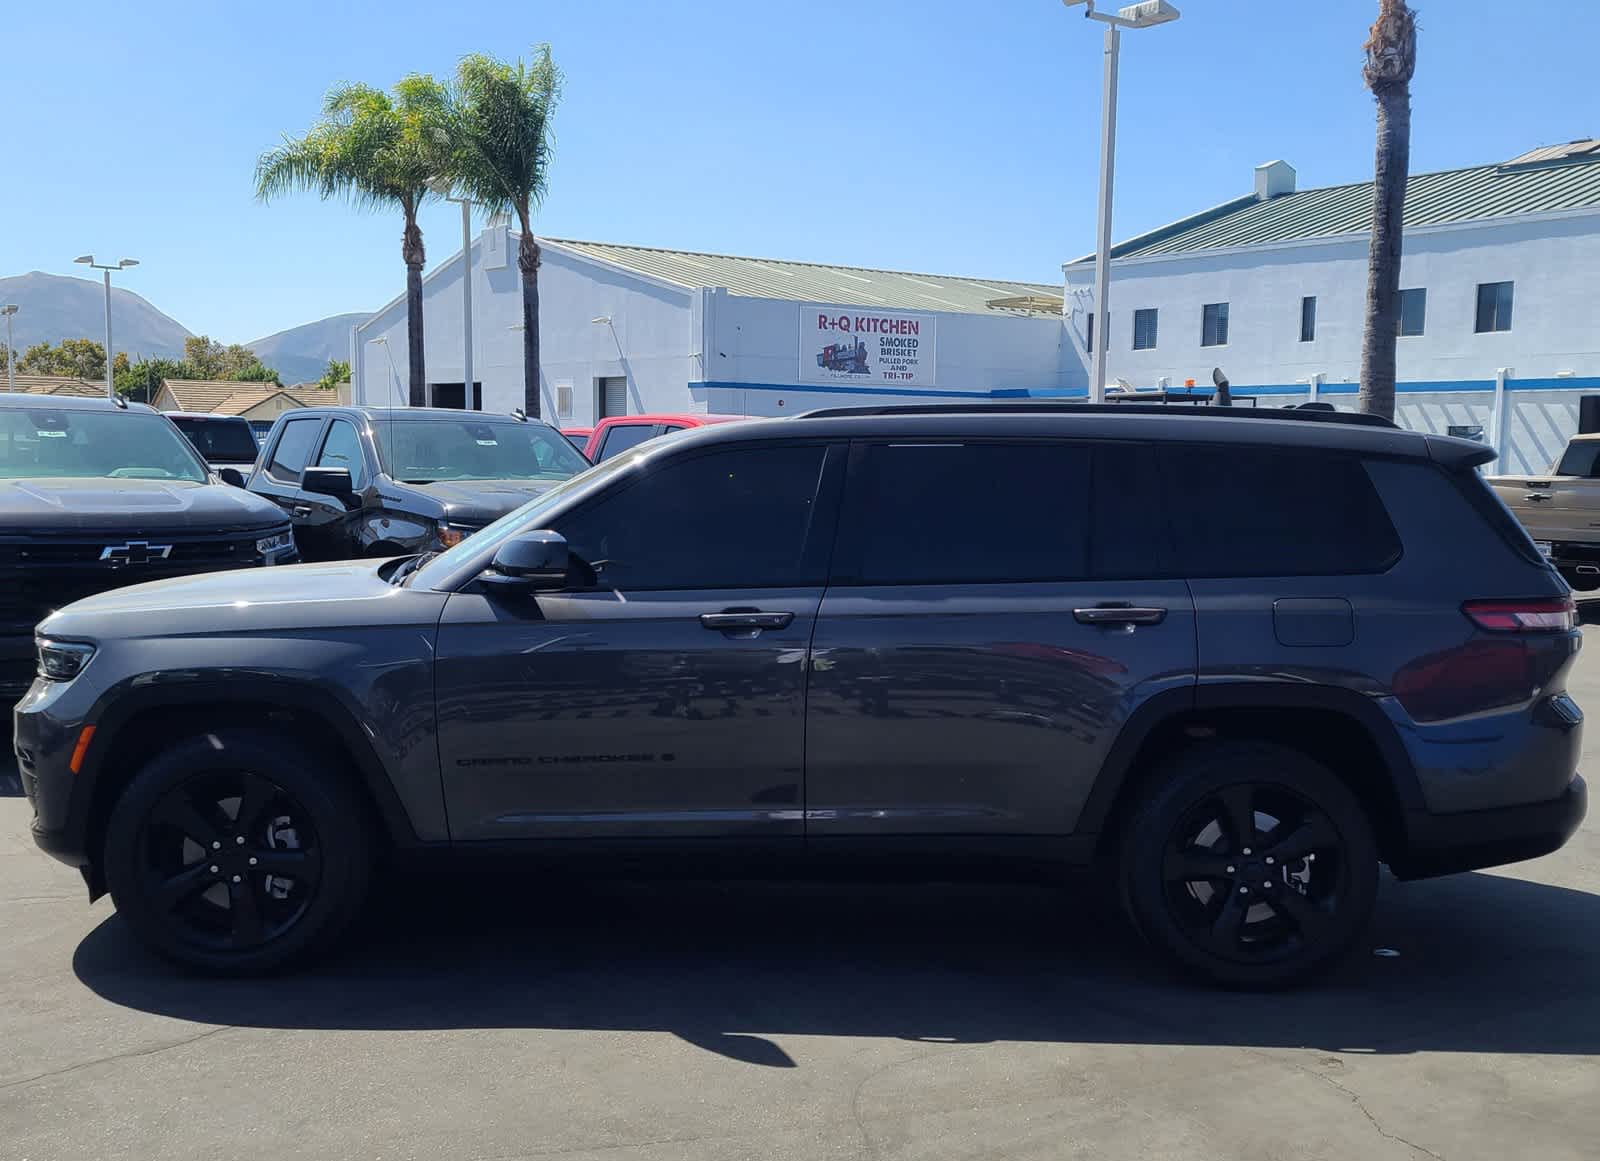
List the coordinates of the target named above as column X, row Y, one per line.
column 442, row 187
column 88, row 260
column 1145, row 15
column 9, row 310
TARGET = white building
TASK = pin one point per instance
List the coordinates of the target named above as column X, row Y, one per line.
column 1500, row 281
column 626, row 329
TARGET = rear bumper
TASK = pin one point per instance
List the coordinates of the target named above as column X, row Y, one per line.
column 1442, row 844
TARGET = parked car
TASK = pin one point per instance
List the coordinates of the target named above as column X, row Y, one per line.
column 95, row 495
column 373, row 481
column 1561, row 509
column 225, row 442
column 617, row 433
column 1235, row 658
column 578, row 437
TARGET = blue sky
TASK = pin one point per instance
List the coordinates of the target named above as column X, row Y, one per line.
column 952, row 136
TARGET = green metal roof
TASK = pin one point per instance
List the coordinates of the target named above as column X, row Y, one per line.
column 1568, row 182
column 812, row 282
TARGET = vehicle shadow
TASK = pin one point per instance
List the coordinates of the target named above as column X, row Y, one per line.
column 1486, row 964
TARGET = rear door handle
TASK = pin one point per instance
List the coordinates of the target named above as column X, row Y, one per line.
column 746, row 622
column 300, row 510
column 1537, row 496
column 1129, row 615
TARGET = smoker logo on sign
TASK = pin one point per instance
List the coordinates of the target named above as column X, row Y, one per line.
column 851, row 345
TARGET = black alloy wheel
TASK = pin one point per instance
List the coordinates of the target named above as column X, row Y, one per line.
column 232, row 859
column 1249, row 863
column 1255, row 873
column 237, row 852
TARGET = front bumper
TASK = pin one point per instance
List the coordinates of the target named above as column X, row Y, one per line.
column 1443, row 844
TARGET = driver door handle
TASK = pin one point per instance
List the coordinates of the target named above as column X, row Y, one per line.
column 1129, row 615
column 745, row 622
column 300, row 510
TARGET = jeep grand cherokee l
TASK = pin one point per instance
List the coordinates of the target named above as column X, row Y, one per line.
column 93, row 496
column 1239, row 659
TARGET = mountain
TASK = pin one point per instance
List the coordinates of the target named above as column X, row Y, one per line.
column 301, row 353
column 51, row 307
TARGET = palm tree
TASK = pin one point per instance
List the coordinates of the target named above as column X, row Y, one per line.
column 379, row 150
column 500, row 122
column 1391, row 61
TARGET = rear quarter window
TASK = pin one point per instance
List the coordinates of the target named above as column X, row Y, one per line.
column 1245, row 511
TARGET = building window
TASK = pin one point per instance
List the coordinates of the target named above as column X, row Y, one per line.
column 1088, row 335
column 1214, row 324
column 1144, row 330
column 1413, row 311
column 611, row 396
column 1308, row 318
column 1494, row 306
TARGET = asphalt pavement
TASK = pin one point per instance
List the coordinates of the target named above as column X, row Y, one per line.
column 494, row 1017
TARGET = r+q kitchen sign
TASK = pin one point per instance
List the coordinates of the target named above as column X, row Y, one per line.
column 843, row 344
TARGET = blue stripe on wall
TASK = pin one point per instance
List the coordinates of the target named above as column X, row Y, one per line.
column 1572, row 383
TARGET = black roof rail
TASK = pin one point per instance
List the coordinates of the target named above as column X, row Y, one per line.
column 1312, row 415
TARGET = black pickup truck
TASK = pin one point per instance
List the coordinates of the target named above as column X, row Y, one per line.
column 96, row 494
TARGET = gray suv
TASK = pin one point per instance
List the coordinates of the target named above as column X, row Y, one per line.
column 1234, row 661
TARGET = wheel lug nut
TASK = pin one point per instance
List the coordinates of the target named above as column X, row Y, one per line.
column 1246, row 851
column 236, row 879
column 1244, row 890
column 1230, row 870
column 214, row 870
column 238, row 839
column 1269, row 860
column 252, row 860
column 1267, row 885
column 216, row 846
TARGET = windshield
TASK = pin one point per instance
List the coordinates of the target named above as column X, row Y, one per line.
column 219, row 440
column 424, row 451
column 46, row 442
column 529, row 517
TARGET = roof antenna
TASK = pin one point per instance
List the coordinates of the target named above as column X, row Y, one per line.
column 120, row 402
column 1224, row 398
column 519, row 415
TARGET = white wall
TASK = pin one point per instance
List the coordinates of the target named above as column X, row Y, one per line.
column 1554, row 262
column 651, row 341
column 673, row 345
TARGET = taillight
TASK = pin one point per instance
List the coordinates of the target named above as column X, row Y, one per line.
column 1539, row 615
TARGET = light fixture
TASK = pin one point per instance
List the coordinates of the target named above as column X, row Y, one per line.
column 601, row 320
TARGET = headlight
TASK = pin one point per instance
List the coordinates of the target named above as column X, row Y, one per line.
column 450, row 535
column 62, row 660
column 275, row 543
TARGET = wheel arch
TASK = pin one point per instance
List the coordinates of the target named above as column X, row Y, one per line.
column 136, row 725
column 1338, row 727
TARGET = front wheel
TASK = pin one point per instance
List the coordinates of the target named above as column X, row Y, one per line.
column 237, row 852
column 1250, row 864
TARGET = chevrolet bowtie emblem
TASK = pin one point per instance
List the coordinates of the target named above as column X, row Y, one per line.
column 134, row 552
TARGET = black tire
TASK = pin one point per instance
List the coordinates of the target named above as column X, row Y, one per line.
column 247, row 888
column 1262, row 919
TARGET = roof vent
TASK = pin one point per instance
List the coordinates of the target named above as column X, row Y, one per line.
column 1274, row 179
column 1583, row 149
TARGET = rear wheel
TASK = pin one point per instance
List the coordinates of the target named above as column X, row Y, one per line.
column 237, row 853
column 1250, row 864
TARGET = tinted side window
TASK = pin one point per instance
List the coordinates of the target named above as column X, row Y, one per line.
column 955, row 513
column 620, row 438
column 293, row 449
column 1579, row 459
column 741, row 518
column 1263, row 512
column 342, row 449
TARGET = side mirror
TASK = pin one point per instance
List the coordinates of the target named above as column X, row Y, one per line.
column 333, row 482
column 231, row 476
column 535, row 561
